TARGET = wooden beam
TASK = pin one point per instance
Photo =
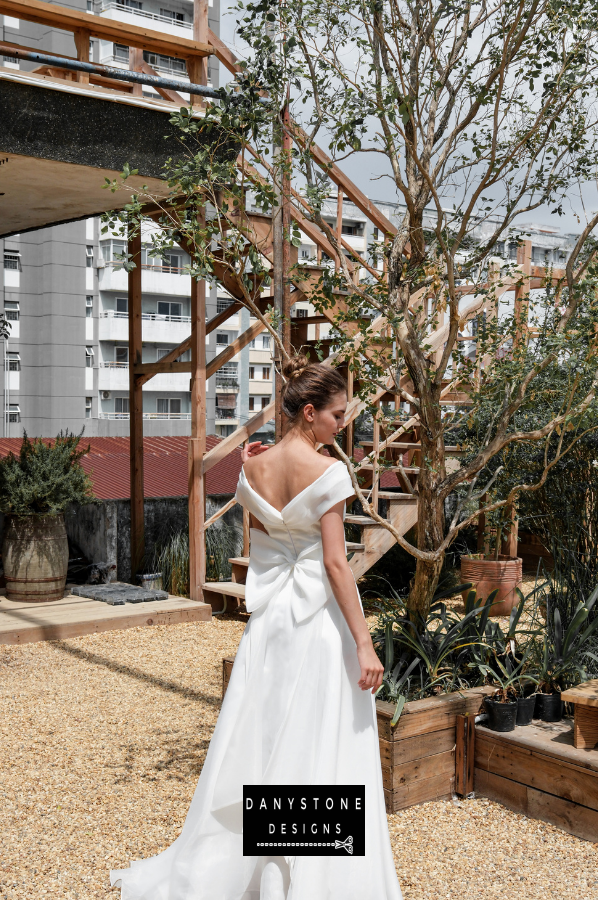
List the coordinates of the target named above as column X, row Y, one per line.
column 245, row 338
column 136, row 409
column 55, row 16
column 230, row 443
column 197, row 444
column 198, row 66
column 82, row 46
column 165, row 93
column 151, row 369
column 135, row 64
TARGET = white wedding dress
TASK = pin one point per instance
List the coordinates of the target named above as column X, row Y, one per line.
column 294, row 714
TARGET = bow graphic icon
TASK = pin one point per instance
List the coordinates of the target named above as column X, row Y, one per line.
column 345, row 845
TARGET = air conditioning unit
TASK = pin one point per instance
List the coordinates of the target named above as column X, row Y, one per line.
column 106, row 395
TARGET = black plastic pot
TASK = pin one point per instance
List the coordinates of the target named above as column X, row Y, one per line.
column 549, row 707
column 501, row 716
column 525, row 709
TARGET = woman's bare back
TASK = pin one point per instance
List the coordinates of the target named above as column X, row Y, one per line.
column 284, row 471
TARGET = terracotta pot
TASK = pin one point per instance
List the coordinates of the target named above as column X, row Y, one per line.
column 36, row 554
column 489, row 574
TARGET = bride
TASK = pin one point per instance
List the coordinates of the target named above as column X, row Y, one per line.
column 299, row 708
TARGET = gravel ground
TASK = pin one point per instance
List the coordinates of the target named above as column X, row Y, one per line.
column 103, row 739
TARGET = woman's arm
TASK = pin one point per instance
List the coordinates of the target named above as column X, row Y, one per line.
column 345, row 592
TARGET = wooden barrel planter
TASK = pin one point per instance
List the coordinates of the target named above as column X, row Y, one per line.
column 35, row 554
column 504, row 573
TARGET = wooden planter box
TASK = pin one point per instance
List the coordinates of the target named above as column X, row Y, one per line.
column 418, row 755
column 536, row 770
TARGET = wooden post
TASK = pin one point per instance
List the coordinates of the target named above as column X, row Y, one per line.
column 82, row 46
column 464, row 754
column 350, row 427
column 136, row 407
column 339, row 225
column 135, row 61
column 197, row 66
column 375, row 455
column 197, row 443
column 524, row 261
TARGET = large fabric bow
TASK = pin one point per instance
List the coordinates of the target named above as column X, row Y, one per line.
column 273, row 567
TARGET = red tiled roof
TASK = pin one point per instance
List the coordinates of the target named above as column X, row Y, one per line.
column 164, row 466
column 387, row 479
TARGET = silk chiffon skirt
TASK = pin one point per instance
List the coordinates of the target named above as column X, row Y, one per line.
column 292, row 714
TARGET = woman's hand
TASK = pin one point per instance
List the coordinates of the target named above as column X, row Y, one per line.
column 372, row 669
column 253, row 449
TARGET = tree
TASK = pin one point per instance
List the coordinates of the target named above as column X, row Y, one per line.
column 481, row 114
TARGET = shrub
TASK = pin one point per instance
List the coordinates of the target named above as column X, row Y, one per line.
column 45, row 477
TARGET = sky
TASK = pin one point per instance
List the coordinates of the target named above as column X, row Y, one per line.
column 368, row 171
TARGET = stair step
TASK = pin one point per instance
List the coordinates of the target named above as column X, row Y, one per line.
column 361, row 520
column 395, row 495
column 231, row 588
column 404, row 445
column 409, row 470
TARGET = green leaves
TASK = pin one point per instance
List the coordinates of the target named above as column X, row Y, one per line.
column 45, row 477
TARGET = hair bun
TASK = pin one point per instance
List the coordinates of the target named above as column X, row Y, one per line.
column 295, row 367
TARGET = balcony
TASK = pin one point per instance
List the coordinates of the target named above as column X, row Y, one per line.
column 154, row 280
column 226, row 413
column 115, row 377
column 227, row 385
column 121, row 13
column 114, row 326
column 112, row 416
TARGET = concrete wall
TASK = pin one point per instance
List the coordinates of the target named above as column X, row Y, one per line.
column 103, row 530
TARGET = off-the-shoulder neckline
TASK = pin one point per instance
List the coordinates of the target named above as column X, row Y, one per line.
column 296, row 497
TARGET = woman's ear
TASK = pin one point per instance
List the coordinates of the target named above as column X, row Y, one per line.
column 309, row 412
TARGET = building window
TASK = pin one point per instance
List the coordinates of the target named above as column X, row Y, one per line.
column 120, row 52
column 14, row 413
column 121, row 405
column 122, row 305
column 172, row 262
column 170, row 310
column 251, row 404
column 89, row 307
column 170, row 407
column 301, row 313
column 89, row 357
column 167, row 64
column 266, row 342
column 170, row 14
column 222, row 338
column 223, row 303
column 14, row 362
column 251, row 373
column 513, row 251
column 121, row 355
column 89, row 256
column 350, row 229
column 90, row 6
column 88, row 407
column 305, row 254
column 12, row 260
column 266, row 373
column 11, row 310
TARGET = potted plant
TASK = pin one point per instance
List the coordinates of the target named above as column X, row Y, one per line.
column 495, row 571
column 35, row 488
column 562, row 652
column 511, row 704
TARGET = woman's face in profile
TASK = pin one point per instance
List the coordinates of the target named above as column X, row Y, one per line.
column 327, row 422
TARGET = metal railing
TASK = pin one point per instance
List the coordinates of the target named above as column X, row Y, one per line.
column 156, row 17
column 146, row 415
column 148, row 317
column 226, row 413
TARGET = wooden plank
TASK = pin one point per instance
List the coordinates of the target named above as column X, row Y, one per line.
column 436, row 788
column 55, row 16
column 197, row 444
column 585, row 729
column 469, row 753
column 571, row 817
column 553, row 739
column 74, row 619
column 136, row 407
column 394, row 753
column 460, row 755
column 156, row 368
column 428, row 715
column 585, row 694
column 233, row 440
column 423, row 769
column 554, row 776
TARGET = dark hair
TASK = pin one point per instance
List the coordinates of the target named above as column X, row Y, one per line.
column 309, row 383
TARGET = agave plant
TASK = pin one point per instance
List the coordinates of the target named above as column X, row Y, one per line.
column 564, row 649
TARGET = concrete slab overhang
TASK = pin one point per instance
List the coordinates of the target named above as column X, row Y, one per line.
column 59, row 141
